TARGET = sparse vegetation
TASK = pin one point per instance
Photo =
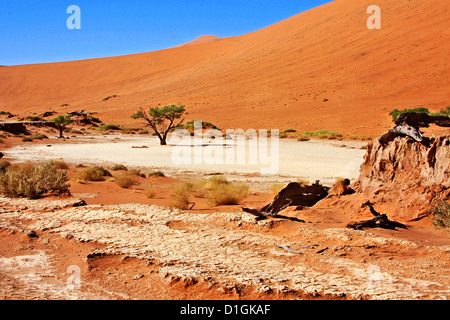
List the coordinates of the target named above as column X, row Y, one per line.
column 224, row 192
column 60, row 164
column 6, row 113
column 322, row 134
column 396, row 113
column 150, row 192
column 125, row 180
column 27, row 139
column 61, row 123
column 33, row 181
column 39, row 136
column 109, row 97
column 94, row 174
column 119, row 167
column 441, row 214
column 181, row 194
column 156, row 174
column 276, row 188
column 109, row 127
column 4, row 164
column 162, row 120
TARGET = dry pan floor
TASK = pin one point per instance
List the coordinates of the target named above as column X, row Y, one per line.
column 133, row 251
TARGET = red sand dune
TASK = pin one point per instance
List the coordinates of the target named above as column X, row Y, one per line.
column 200, row 40
column 321, row 69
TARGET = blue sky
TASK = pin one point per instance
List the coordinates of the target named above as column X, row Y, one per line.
column 33, row 31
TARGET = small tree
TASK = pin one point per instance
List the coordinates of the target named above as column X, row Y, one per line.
column 162, row 120
column 61, row 123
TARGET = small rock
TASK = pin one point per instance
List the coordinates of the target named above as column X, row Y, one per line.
column 138, row 276
column 32, row 234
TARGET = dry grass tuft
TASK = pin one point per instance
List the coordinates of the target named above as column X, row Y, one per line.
column 33, row 181
column 126, row 180
column 181, row 194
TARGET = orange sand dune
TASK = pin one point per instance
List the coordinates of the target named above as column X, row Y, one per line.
column 200, row 40
column 321, row 69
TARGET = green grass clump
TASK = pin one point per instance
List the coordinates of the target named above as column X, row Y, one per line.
column 322, row 134
column 396, row 113
column 109, row 127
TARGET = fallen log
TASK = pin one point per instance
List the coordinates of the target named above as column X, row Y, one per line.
column 380, row 221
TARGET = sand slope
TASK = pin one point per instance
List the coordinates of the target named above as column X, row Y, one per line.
column 277, row 77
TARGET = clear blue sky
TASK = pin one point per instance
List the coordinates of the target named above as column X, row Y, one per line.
column 33, row 31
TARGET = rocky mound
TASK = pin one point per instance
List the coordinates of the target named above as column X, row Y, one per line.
column 405, row 175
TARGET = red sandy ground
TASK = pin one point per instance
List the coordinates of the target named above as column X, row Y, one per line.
column 120, row 270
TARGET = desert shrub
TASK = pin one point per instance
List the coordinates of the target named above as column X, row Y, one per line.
column 283, row 135
column 6, row 113
column 39, row 136
column 33, row 181
column 4, row 164
column 33, row 118
column 60, row 164
column 92, row 118
column 396, row 113
column 323, row 134
column 290, row 130
column 303, row 182
column 441, row 214
column 119, row 167
column 303, row 137
column 27, row 139
column 80, row 165
column 156, row 173
column 181, row 194
column 227, row 194
column 150, row 192
column 137, row 172
column 276, row 188
column 443, row 112
column 108, row 127
column 125, row 180
column 94, row 174
column 109, row 97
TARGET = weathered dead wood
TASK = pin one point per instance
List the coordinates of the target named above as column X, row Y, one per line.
column 422, row 120
column 288, row 249
column 380, row 221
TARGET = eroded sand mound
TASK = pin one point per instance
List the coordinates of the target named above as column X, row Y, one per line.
column 407, row 175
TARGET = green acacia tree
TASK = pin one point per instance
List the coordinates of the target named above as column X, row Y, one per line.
column 162, row 120
column 61, row 123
